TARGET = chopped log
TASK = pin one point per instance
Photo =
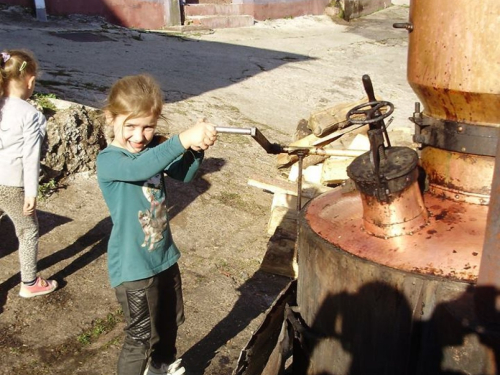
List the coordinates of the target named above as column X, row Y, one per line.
column 280, row 216
column 310, row 174
column 281, row 255
column 334, row 170
column 360, row 142
column 354, row 129
column 332, row 119
column 311, row 160
column 283, row 209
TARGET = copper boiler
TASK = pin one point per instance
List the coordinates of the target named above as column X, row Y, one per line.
column 398, row 295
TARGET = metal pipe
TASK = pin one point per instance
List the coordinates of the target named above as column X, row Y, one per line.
column 41, row 13
column 228, row 130
column 271, row 148
column 322, row 151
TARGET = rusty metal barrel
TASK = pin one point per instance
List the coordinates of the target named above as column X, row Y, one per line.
column 402, row 305
column 454, row 59
column 454, row 68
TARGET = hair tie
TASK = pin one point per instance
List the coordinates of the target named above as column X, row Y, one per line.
column 23, row 65
column 5, row 57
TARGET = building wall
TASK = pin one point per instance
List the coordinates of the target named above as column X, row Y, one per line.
column 130, row 13
column 147, row 14
column 358, row 8
column 272, row 9
column 156, row 14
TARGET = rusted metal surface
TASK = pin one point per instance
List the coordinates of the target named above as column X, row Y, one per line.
column 404, row 215
column 453, row 59
column 449, row 246
column 457, row 176
column 384, row 173
column 387, row 179
column 455, row 136
column 415, row 302
column 373, row 319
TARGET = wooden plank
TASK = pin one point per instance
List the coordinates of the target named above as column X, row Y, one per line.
column 335, row 170
column 283, row 186
column 279, row 216
column 264, row 352
column 311, row 174
column 281, row 254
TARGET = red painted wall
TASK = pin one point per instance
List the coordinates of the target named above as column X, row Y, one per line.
column 147, row 14
column 273, row 10
column 154, row 14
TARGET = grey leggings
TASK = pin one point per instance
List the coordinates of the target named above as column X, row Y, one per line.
column 12, row 202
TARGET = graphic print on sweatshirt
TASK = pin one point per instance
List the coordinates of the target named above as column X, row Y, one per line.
column 153, row 221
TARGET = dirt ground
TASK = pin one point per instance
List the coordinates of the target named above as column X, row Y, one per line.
column 218, row 221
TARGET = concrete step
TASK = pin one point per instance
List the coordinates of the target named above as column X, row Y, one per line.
column 219, row 21
column 212, row 10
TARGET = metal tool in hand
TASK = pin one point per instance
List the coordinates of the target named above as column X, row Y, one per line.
column 271, row 148
column 275, row 148
column 372, row 112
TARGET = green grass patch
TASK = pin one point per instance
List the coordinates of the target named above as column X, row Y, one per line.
column 43, row 100
column 100, row 327
column 45, row 190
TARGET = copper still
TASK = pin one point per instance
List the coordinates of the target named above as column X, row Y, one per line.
column 401, row 275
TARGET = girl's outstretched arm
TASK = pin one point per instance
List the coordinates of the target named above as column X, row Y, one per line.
column 116, row 164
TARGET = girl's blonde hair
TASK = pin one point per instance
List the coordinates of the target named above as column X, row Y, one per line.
column 135, row 96
column 15, row 65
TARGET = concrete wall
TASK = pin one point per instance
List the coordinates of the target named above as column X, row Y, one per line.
column 358, row 8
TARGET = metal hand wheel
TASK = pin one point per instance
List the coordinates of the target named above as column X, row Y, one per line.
column 372, row 112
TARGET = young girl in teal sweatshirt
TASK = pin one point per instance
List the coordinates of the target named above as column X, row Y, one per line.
column 142, row 256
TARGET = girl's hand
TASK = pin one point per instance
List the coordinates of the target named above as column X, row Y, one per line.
column 199, row 137
column 29, row 206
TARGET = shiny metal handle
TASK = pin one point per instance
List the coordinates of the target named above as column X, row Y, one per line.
column 228, row 130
